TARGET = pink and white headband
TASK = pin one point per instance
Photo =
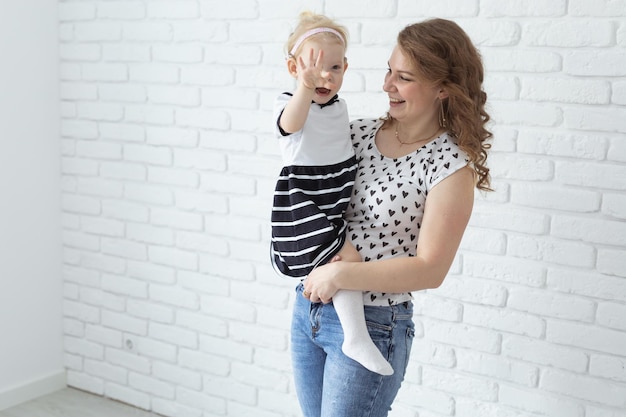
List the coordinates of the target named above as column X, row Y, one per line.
column 312, row 32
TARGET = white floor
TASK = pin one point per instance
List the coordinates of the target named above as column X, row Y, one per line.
column 70, row 402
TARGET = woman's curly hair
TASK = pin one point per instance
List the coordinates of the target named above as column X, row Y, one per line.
column 444, row 55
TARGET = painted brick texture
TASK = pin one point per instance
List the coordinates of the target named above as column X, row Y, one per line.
column 168, row 168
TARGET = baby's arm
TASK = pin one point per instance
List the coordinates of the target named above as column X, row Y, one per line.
column 297, row 109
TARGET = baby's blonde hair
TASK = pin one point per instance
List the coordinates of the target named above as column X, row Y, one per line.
column 310, row 20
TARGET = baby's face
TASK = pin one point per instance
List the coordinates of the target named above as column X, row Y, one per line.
column 332, row 66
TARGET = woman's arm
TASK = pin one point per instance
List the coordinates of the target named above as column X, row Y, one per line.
column 446, row 214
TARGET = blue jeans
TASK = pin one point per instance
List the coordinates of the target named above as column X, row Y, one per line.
column 328, row 383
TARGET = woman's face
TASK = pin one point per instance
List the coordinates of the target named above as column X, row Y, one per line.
column 409, row 98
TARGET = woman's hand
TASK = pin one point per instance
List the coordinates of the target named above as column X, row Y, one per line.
column 321, row 283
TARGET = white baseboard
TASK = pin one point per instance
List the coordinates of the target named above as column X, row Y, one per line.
column 32, row 389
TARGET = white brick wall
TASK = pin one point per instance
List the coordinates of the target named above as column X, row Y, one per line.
column 168, row 167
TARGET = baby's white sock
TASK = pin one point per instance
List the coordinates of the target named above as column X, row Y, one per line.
column 357, row 343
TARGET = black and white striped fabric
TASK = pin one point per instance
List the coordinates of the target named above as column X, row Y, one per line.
column 308, row 227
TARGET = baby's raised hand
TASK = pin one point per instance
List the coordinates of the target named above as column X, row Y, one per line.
column 312, row 74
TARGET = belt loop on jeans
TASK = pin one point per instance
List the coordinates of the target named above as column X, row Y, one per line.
column 394, row 309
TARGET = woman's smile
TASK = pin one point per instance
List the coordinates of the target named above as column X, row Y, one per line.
column 394, row 102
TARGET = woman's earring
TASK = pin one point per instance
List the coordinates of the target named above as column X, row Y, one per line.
column 442, row 116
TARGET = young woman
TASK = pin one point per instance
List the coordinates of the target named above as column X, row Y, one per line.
column 413, row 195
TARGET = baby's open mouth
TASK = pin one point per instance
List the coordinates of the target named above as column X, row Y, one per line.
column 322, row 91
